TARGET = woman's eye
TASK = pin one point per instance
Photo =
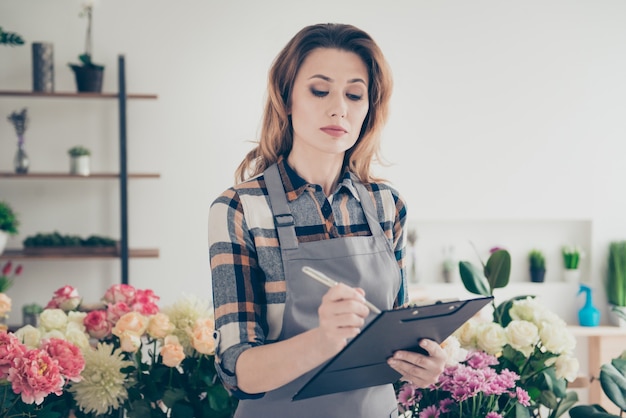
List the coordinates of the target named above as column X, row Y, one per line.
column 355, row 97
column 319, row 93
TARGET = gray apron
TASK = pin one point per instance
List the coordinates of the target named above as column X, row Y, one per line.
column 367, row 262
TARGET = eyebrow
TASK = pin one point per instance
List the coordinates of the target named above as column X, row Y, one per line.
column 330, row 80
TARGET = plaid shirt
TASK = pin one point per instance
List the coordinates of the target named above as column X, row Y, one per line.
column 246, row 265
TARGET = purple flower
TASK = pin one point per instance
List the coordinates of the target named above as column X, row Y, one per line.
column 429, row 412
column 407, row 395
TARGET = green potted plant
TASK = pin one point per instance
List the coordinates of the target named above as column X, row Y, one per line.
column 79, row 160
column 88, row 74
column 537, row 264
column 616, row 282
column 613, row 382
column 8, row 224
column 572, row 255
column 10, row 38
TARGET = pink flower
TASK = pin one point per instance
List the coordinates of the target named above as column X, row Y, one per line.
column 481, row 360
column 522, row 396
column 116, row 310
column 406, row 396
column 66, row 298
column 120, row 293
column 6, row 269
column 68, row 357
column 429, row 412
column 35, row 375
column 97, row 324
column 10, row 348
column 445, row 405
column 493, row 415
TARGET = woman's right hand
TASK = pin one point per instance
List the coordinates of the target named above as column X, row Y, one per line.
column 342, row 315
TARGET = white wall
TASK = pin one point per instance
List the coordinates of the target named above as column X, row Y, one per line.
column 504, row 114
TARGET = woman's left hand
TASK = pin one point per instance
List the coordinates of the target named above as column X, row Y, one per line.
column 419, row 369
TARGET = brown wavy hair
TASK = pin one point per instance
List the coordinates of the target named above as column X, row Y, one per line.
column 276, row 132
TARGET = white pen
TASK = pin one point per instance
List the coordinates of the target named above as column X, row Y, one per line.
column 327, row 281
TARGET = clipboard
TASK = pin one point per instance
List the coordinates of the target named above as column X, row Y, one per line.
column 363, row 362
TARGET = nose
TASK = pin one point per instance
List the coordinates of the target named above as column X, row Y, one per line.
column 338, row 107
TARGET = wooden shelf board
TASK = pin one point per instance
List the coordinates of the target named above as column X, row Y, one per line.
column 74, row 95
column 52, row 175
column 19, row 254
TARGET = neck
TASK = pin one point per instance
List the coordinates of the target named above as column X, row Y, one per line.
column 322, row 171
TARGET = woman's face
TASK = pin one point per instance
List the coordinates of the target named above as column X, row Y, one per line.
column 329, row 102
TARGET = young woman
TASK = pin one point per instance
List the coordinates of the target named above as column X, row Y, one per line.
column 305, row 196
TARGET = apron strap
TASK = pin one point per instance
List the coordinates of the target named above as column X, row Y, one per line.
column 283, row 219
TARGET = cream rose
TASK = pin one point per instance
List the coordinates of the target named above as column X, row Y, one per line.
column 29, row 336
column 202, row 336
column 556, row 338
column 129, row 341
column 131, row 322
column 525, row 309
column 5, row 304
column 53, row 319
column 159, row 325
column 490, row 337
column 567, row 367
column 172, row 351
column 466, row 334
column 76, row 336
column 522, row 336
column 454, row 353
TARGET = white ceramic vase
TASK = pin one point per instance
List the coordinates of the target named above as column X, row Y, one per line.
column 571, row 275
column 4, row 236
column 614, row 318
column 80, row 165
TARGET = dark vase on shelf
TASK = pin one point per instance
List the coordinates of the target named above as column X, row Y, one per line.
column 537, row 275
column 88, row 78
column 21, row 162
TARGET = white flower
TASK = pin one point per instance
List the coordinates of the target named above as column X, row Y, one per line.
column 77, row 318
column 53, row 319
column 556, row 338
column 566, row 367
column 454, row 353
column 466, row 334
column 522, row 336
column 29, row 336
column 77, row 336
column 490, row 337
column 525, row 310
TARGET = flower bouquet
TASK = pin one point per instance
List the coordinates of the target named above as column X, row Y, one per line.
column 526, row 338
column 138, row 359
column 472, row 388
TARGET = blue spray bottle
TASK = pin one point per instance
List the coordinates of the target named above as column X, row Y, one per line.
column 588, row 316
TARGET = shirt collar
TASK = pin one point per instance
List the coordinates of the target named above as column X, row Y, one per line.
column 295, row 185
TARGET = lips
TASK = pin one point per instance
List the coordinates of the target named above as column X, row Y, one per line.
column 334, row 130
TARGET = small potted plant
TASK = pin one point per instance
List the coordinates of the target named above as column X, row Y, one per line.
column 537, row 261
column 88, row 74
column 79, row 160
column 8, row 224
column 616, row 283
column 10, row 38
column 572, row 255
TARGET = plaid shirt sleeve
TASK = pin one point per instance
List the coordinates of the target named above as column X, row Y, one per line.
column 237, row 294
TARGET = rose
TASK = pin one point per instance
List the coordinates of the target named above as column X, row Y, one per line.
column 97, row 325
column 466, row 334
column 5, row 304
column 556, row 338
column 490, row 337
column 131, row 322
column 202, row 336
column 120, row 293
column 65, row 298
column 522, row 336
column 567, row 367
column 116, row 310
column 159, row 325
column 77, row 335
column 145, row 302
column 172, row 351
column 130, row 342
column 53, row 319
column 29, row 335
column 68, row 357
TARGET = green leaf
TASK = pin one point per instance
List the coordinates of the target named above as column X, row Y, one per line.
column 565, row 404
column 589, row 411
column 182, row 410
column 614, row 385
column 498, row 269
column 473, row 279
column 521, row 411
column 501, row 314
